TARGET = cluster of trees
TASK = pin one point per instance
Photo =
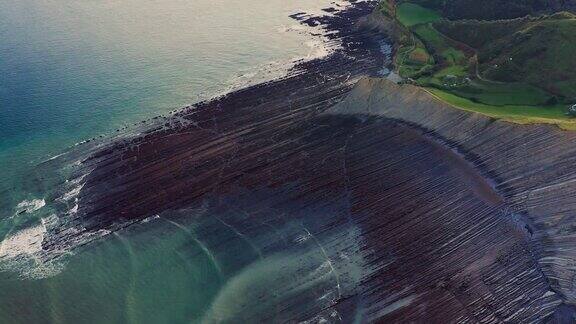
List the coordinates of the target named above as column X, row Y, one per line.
column 498, row 9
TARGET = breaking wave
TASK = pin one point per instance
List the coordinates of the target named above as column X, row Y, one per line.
column 29, row 206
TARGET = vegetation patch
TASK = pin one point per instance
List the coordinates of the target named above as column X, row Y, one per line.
column 506, row 68
column 523, row 114
column 537, row 51
column 410, row 14
column 495, row 9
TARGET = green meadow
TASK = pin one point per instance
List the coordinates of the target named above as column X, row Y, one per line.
column 410, row 14
column 519, row 69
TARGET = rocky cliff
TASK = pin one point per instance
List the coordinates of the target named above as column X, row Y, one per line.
column 531, row 166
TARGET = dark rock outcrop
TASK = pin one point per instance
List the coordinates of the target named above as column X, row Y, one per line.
column 532, row 165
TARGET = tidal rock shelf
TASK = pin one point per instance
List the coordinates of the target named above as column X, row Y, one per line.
column 361, row 199
column 530, row 166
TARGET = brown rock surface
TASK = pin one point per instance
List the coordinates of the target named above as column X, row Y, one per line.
column 422, row 212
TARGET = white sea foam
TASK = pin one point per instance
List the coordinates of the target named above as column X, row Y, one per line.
column 74, row 209
column 29, row 206
column 292, row 28
column 150, row 218
column 55, row 157
column 50, row 221
column 27, row 241
column 72, row 193
column 76, row 181
column 317, row 10
column 319, row 48
column 22, row 252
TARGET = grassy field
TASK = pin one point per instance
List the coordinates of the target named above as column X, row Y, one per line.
column 485, row 92
column 537, row 51
column 490, row 9
column 413, row 58
column 410, row 14
column 498, row 94
column 443, row 47
column 462, row 63
column 522, row 114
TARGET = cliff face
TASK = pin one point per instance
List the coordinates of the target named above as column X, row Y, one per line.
column 532, row 165
column 379, row 22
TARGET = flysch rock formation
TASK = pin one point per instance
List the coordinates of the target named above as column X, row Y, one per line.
column 530, row 166
column 363, row 201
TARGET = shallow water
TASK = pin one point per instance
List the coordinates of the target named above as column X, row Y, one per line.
column 74, row 70
column 194, row 266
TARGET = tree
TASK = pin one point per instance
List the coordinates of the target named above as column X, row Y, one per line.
column 552, row 101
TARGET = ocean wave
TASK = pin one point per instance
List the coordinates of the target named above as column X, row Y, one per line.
column 29, row 206
column 24, row 242
column 54, row 157
column 76, row 188
column 21, row 252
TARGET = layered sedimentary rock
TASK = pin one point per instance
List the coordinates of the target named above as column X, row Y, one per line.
column 363, row 200
column 530, row 165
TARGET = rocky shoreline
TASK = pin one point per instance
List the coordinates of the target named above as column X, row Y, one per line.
column 420, row 212
column 529, row 165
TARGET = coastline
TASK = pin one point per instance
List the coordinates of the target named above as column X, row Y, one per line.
column 409, row 36
column 442, row 207
column 529, row 164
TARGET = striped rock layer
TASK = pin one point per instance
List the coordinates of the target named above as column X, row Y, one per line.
column 366, row 201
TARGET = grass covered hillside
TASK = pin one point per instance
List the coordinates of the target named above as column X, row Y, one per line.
column 501, row 9
column 495, row 9
column 538, row 51
column 520, row 69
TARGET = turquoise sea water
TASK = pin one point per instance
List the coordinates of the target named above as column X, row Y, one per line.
column 73, row 70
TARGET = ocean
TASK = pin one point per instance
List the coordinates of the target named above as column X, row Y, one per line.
column 76, row 70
